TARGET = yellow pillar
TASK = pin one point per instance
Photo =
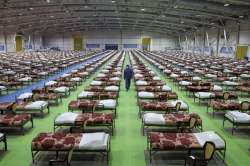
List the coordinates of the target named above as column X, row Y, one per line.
column 19, row 43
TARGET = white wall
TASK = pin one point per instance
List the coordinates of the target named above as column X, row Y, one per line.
column 65, row 41
column 35, row 41
column 231, row 28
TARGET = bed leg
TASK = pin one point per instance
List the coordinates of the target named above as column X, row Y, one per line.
column 233, row 128
column 150, row 156
column 5, row 142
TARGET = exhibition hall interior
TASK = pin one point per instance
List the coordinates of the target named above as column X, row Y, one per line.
column 124, row 82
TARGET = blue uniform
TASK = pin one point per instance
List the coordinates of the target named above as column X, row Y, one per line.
column 128, row 75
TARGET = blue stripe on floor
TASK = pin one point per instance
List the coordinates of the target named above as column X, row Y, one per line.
column 12, row 96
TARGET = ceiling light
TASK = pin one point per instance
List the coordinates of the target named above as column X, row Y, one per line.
column 142, row 9
column 48, row 1
column 31, row 8
column 226, row 4
column 182, row 22
column 52, row 16
column 241, row 16
column 113, row 1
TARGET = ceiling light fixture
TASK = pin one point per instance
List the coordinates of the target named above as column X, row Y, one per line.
column 142, row 9
column 31, row 8
column 241, row 16
column 52, row 16
column 226, row 4
column 113, row 1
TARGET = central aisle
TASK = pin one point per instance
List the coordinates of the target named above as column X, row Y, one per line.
column 128, row 144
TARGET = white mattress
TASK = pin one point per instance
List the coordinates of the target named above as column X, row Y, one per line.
column 196, row 78
column 217, row 88
column 146, row 95
column 3, row 88
column 25, row 96
column 183, row 104
column 25, row 79
column 37, row 105
column 138, row 76
column 141, row 83
column 238, row 117
column 108, row 104
column 50, row 83
column 96, row 83
column 101, row 75
column 173, row 75
column 115, row 79
column 61, row 89
column 67, row 117
column 166, row 88
column 210, row 75
column 77, row 79
column 156, row 78
column 204, row 95
column 94, row 141
column 85, row 94
column 230, row 83
column 117, row 73
column 185, row 83
column 111, row 88
column 65, row 75
column 210, row 136
column 153, row 118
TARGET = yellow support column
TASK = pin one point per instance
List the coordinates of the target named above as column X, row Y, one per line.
column 78, row 43
column 241, row 52
column 19, row 43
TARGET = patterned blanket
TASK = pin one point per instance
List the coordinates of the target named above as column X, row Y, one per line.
column 158, row 106
column 198, row 88
column 173, row 141
column 78, row 104
column 149, row 88
column 224, row 105
column 56, row 141
column 14, row 120
column 94, row 118
column 172, row 119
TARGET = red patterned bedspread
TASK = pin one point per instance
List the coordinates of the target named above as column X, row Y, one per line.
column 225, row 105
column 173, row 141
column 76, row 104
column 158, row 106
column 172, row 119
column 94, row 118
column 56, row 141
column 14, row 120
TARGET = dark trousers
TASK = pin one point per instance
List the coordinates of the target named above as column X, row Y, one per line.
column 127, row 84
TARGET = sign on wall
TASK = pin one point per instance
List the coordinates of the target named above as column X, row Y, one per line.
column 92, row 45
column 130, row 46
column 1, row 47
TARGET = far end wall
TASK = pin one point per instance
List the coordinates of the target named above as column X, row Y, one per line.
column 98, row 40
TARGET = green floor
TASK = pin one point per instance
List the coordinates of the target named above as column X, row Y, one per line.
column 127, row 144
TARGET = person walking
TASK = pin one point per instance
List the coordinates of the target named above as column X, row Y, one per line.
column 128, row 75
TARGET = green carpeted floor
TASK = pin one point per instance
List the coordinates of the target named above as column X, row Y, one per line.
column 127, row 144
